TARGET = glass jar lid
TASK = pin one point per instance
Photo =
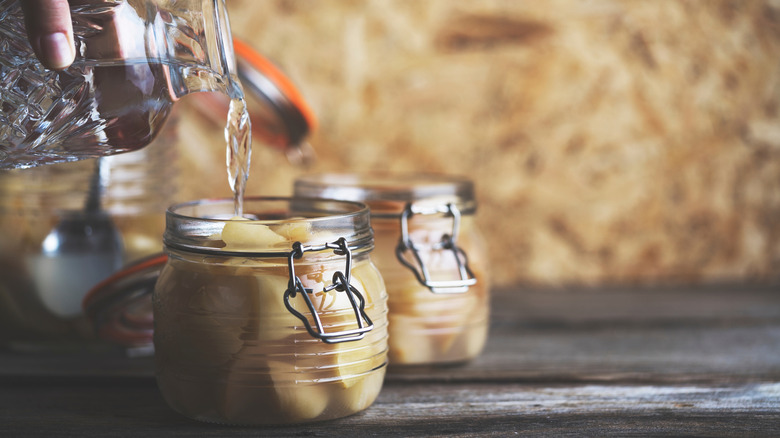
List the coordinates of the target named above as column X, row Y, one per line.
column 388, row 194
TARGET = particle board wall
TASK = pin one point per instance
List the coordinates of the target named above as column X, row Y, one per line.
column 610, row 141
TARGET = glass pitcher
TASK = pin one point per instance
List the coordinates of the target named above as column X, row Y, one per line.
column 134, row 59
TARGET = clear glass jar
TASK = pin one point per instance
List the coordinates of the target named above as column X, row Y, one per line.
column 41, row 291
column 431, row 256
column 236, row 340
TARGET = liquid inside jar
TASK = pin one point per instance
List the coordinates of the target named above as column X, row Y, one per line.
column 227, row 349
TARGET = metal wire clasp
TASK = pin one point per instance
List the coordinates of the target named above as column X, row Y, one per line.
column 341, row 283
column 448, row 242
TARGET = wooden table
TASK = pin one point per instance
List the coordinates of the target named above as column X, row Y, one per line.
column 678, row 361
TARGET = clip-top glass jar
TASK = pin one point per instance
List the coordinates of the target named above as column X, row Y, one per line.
column 431, row 256
column 281, row 318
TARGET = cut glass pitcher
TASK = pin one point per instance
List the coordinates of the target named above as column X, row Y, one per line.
column 134, row 59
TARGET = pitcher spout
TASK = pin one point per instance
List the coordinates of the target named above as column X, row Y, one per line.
column 201, row 50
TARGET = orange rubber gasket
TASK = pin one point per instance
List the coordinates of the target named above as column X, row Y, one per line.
column 273, row 73
column 156, row 260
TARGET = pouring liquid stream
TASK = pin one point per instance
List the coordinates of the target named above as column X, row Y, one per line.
column 238, row 134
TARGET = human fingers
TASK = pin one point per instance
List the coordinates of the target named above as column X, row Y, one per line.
column 50, row 31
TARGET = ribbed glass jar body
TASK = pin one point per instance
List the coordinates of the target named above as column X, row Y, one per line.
column 449, row 325
column 227, row 348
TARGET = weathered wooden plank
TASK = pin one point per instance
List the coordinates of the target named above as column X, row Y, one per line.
column 713, row 334
column 706, row 334
column 619, row 353
column 566, row 362
column 458, row 410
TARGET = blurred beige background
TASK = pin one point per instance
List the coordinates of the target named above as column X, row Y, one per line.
column 610, row 141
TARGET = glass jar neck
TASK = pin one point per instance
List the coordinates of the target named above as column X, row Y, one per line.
column 190, row 39
column 388, row 194
column 213, row 67
column 276, row 225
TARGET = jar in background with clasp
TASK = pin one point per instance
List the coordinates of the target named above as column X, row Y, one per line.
column 431, row 256
column 41, row 290
column 278, row 318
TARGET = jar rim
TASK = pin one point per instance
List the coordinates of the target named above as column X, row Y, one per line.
column 196, row 226
column 352, row 208
column 387, row 193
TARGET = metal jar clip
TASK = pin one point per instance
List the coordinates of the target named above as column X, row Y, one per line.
column 448, row 242
column 341, row 283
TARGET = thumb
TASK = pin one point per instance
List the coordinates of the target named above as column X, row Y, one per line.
column 50, row 31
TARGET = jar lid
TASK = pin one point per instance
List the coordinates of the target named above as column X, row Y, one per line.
column 120, row 307
column 267, row 81
column 280, row 116
column 387, row 194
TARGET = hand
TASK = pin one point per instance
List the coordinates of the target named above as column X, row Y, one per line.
column 50, row 32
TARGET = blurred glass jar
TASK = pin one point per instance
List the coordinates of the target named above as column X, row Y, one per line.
column 431, row 256
column 41, row 294
column 278, row 319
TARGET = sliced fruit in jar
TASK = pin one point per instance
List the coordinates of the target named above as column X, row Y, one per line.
column 273, row 318
column 362, row 394
column 299, row 401
column 294, row 231
column 240, row 233
column 354, row 359
column 204, row 322
column 275, row 390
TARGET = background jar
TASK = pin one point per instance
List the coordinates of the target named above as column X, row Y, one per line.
column 41, row 294
column 229, row 347
column 445, row 321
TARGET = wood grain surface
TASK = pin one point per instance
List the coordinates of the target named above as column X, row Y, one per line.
column 693, row 362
